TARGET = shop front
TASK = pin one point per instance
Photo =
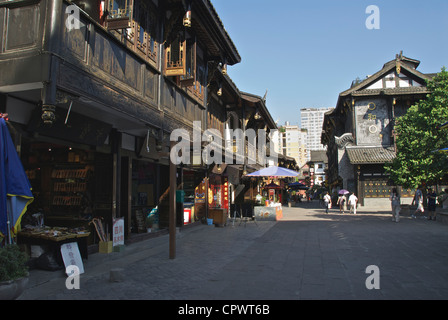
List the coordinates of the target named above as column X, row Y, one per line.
column 218, row 199
column 71, row 185
column 194, row 196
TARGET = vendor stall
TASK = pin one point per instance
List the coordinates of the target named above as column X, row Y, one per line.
column 272, row 210
column 51, row 239
column 273, row 192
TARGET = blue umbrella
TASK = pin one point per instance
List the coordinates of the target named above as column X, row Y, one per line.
column 298, row 185
column 273, row 172
column 15, row 188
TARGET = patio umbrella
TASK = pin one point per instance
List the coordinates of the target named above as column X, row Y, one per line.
column 298, row 186
column 15, row 188
column 343, row 191
column 273, row 172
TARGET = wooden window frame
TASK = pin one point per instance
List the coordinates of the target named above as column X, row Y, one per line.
column 179, row 67
column 120, row 21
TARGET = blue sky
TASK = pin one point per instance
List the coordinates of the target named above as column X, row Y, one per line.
column 306, row 52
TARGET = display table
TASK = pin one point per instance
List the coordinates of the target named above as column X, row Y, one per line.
column 54, row 238
column 273, row 213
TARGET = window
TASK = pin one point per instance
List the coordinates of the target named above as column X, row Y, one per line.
column 136, row 31
column 120, row 13
column 175, row 58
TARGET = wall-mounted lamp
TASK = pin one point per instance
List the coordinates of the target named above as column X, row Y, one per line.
column 187, row 17
column 224, row 69
column 48, row 114
column 219, row 89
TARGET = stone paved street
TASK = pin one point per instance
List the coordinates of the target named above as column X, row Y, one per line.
column 306, row 255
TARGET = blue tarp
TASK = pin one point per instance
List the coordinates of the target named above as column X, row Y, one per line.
column 15, row 188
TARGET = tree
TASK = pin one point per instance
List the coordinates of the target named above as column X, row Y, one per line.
column 419, row 137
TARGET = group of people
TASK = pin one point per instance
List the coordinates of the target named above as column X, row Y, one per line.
column 352, row 202
column 431, row 196
column 418, row 200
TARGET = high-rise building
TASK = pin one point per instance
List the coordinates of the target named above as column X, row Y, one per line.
column 293, row 143
column 312, row 120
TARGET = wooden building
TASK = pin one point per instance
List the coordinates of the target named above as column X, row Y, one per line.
column 359, row 132
column 94, row 89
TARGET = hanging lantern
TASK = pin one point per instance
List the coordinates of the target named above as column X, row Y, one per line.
column 187, row 17
column 224, row 69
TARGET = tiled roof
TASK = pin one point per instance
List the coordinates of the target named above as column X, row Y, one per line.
column 370, row 155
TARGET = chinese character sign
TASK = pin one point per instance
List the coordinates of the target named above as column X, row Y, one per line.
column 118, row 232
column 71, row 256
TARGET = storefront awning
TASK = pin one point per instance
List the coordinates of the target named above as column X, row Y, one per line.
column 370, row 155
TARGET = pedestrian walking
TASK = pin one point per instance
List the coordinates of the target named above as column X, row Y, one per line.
column 327, row 200
column 418, row 200
column 444, row 200
column 342, row 203
column 353, row 202
column 432, row 197
column 395, row 202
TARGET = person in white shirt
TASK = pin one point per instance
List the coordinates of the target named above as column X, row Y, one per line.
column 352, row 202
column 327, row 200
column 418, row 200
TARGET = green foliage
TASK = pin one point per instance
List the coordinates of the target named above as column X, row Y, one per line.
column 12, row 263
column 418, row 138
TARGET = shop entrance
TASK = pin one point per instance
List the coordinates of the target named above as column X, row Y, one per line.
column 71, row 185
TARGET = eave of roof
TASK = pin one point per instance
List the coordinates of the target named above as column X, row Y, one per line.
column 370, row 155
column 223, row 37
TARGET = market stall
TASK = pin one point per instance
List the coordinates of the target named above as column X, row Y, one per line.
column 54, row 237
column 272, row 210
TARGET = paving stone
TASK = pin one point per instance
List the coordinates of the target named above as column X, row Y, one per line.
column 306, row 255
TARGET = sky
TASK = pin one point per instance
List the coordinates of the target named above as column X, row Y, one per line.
column 304, row 53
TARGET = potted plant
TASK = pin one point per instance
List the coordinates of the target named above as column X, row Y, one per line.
column 13, row 272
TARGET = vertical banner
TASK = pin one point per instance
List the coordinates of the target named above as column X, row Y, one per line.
column 118, row 232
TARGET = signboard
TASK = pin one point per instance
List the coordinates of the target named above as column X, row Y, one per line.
column 118, row 232
column 71, row 256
